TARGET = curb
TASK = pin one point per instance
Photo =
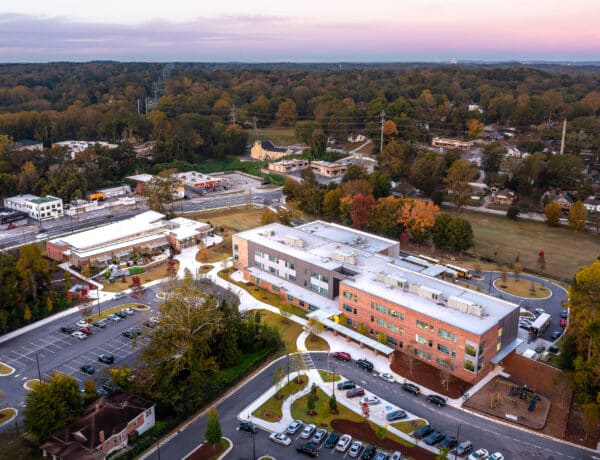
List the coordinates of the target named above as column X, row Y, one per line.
column 38, row 324
column 223, row 455
column 13, row 417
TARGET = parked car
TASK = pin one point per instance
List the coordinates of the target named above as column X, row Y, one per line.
column 449, row 442
column 149, row 323
column 346, row 385
column 319, row 436
column 382, row 455
column 294, row 427
column 101, row 324
column 436, row 399
column 156, row 319
column 308, row 448
column 365, row 364
column 411, row 388
column 308, row 431
column 396, row 455
column 556, row 335
column 434, row 438
column 249, row 427
column 496, row 456
column 88, row 369
column 387, row 377
column 130, row 311
column 106, row 359
column 370, row 400
column 79, row 335
column 553, row 349
column 538, row 312
column 86, row 330
column 479, row 454
column 332, row 440
column 464, row 448
column 102, row 392
column 357, row 391
column 110, row 387
column 343, row 443
column 396, row 415
column 121, row 314
column 355, row 449
column 369, row 452
column 67, row 330
column 423, row 431
column 563, row 322
column 342, row 356
column 564, row 314
column 114, row 318
column 82, row 323
column 119, row 295
column 540, row 349
column 280, row 438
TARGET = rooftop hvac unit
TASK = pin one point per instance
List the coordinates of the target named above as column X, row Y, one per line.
column 463, row 305
column 295, row 241
column 380, row 277
column 268, row 232
column 414, row 288
column 429, row 293
column 345, row 257
column 477, row 310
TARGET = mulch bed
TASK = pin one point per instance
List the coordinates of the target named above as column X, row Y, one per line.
column 429, row 376
column 364, row 432
column 207, row 452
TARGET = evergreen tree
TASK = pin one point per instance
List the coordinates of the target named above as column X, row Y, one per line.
column 213, row 432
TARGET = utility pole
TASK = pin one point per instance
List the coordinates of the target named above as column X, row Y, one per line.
column 233, row 115
column 146, row 106
column 255, row 126
column 457, row 442
column 564, row 133
column 382, row 123
column 138, row 106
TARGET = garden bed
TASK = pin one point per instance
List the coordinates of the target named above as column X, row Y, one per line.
column 7, row 414
column 5, row 370
column 209, row 451
column 522, row 288
column 271, row 409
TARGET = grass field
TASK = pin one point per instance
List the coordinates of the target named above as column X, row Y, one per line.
column 279, row 136
column 315, row 343
column 271, row 409
column 329, row 376
column 239, row 218
column 410, row 425
column 565, row 250
column 522, row 288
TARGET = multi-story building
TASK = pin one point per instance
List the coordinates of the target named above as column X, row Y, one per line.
column 288, row 166
column 335, row 269
column 451, row 143
column 267, row 151
column 76, row 147
column 48, row 207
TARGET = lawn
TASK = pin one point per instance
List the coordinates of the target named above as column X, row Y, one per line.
column 565, row 250
column 237, row 219
column 409, row 426
column 32, row 384
column 109, row 311
column 328, row 376
column 5, row 370
column 314, row 343
column 289, row 329
column 7, row 414
column 271, row 409
column 278, row 136
column 151, row 275
column 522, row 288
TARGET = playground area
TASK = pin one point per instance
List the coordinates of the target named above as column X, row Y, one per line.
column 533, row 395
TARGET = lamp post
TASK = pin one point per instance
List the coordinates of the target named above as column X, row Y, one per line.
column 37, row 360
column 253, row 447
column 457, row 442
column 333, row 378
column 288, row 367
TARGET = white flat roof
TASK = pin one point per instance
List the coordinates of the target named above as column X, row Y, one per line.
column 141, row 177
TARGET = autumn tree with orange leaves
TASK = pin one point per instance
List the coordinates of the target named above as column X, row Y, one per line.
column 360, row 208
column 418, row 218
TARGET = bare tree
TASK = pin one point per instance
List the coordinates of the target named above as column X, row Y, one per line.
column 409, row 355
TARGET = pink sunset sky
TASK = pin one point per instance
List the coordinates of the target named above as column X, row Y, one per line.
column 308, row 30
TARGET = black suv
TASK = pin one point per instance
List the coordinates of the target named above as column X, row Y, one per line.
column 423, row 431
column 369, row 452
column 346, row 385
column 436, row 399
column 332, row 440
column 249, row 427
column 411, row 388
column 365, row 364
column 308, row 448
column 106, row 359
column 67, row 330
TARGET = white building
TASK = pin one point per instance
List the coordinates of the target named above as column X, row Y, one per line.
column 76, row 147
column 48, row 207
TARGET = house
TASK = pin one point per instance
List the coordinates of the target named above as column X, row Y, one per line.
column 265, row 150
column 144, row 150
column 74, row 148
column 104, row 427
column 504, row 197
column 592, row 203
column 38, row 208
column 329, row 169
column 142, row 179
column 565, row 200
column 357, row 138
column 288, row 166
column 329, row 270
column 474, row 108
column 451, row 143
column 478, row 188
column 27, row 145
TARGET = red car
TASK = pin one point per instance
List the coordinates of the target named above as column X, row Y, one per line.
column 563, row 322
column 342, row 356
column 86, row 330
column 355, row 392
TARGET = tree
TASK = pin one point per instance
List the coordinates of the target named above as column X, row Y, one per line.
column 392, row 159
column 359, row 209
column 504, row 274
column 362, row 329
column 474, row 128
column 384, row 216
column 89, row 392
column 439, row 231
column 591, row 418
column 310, row 406
column 553, row 212
column 314, row 327
column 443, row 455
column 28, row 178
column 409, row 356
column 333, row 404
column 457, row 179
column 285, row 310
column 426, row 172
column 513, row 212
column 52, row 405
column 446, row 374
column 381, row 338
column 213, row 432
column 517, row 269
column 268, row 217
column 313, row 392
column 389, row 128
column 459, row 234
column 418, row 217
column 286, row 114
column 138, row 292
column 491, row 158
column 298, row 365
column 34, row 271
column 278, row 376
column 161, row 190
column 577, row 217
column 331, row 203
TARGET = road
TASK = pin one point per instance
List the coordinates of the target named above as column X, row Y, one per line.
column 514, row 443
column 67, row 224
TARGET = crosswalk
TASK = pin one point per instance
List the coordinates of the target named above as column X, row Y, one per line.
column 308, row 362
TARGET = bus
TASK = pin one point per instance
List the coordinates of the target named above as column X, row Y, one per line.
column 542, row 322
column 431, row 260
column 461, row 272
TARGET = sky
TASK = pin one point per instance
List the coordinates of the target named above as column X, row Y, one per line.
column 299, row 31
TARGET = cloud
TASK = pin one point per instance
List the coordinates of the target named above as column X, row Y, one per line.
column 275, row 38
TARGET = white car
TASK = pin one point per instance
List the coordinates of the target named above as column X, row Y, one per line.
column 280, row 438
column 129, row 311
column 155, row 319
column 396, row 456
column 370, row 400
column 343, row 443
column 355, row 449
column 496, row 456
column 82, row 323
column 479, row 454
column 119, row 295
column 308, row 431
column 79, row 335
column 319, row 436
column 387, row 377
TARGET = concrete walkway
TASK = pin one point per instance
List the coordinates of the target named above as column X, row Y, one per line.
column 301, row 341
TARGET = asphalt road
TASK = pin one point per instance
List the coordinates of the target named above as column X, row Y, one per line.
column 59, row 352
column 515, row 444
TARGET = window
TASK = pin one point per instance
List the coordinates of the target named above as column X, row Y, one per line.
column 319, row 277
column 314, row 287
column 235, row 247
column 430, row 343
column 290, row 298
column 469, row 365
column 442, row 362
column 290, row 277
column 380, row 322
column 470, row 350
column 422, row 325
column 324, row 291
column 443, row 348
column 392, row 327
column 421, row 354
column 380, row 308
column 391, row 340
column 257, row 281
column 500, row 331
column 421, row 339
column 372, row 318
column 272, row 270
column 348, row 308
column 273, row 258
column 447, row 335
column 290, row 265
column 402, row 316
column 312, row 307
column 258, row 253
column 454, row 353
column 301, row 303
column 393, row 313
column 347, row 295
column 498, row 346
column 275, row 288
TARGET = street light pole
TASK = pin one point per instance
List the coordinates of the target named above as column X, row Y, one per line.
column 457, row 442
column 98, row 294
column 37, row 360
column 253, row 447
column 288, row 367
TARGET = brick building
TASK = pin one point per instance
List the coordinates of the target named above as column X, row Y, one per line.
column 334, row 269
